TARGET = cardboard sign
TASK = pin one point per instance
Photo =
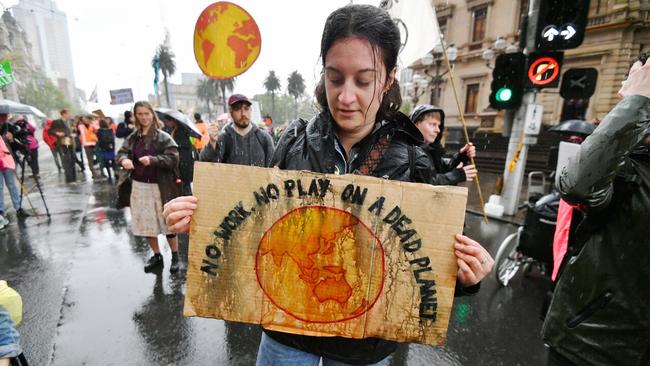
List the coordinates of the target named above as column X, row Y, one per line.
column 323, row 255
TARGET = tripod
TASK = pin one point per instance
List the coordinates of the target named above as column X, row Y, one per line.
column 21, row 162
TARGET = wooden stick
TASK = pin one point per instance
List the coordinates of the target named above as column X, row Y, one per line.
column 462, row 120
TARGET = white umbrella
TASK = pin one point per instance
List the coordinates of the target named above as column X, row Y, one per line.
column 9, row 106
column 181, row 118
column 37, row 112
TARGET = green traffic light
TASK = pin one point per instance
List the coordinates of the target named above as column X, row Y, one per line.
column 504, row 94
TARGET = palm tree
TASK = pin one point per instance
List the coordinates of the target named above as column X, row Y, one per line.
column 272, row 84
column 223, row 85
column 295, row 87
column 207, row 91
column 164, row 61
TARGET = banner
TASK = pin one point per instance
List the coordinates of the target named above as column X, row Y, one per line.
column 121, row 96
column 324, row 255
column 6, row 74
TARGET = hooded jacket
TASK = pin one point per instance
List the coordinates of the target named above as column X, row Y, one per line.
column 444, row 170
column 310, row 145
column 599, row 311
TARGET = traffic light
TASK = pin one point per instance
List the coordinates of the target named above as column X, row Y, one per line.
column 560, row 24
column 507, row 81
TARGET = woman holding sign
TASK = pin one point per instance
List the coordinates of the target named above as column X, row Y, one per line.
column 359, row 130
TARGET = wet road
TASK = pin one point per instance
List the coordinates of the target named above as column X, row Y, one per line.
column 88, row 302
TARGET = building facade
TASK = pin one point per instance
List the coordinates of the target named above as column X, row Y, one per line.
column 47, row 30
column 617, row 32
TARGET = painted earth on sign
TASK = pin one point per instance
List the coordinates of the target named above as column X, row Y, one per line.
column 226, row 40
column 321, row 265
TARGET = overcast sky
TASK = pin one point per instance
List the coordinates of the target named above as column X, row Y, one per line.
column 113, row 41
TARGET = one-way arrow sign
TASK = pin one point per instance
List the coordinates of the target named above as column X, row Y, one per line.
column 568, row 32
column 550, row 33
column 579, row 83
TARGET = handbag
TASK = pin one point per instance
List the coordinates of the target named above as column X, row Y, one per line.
column 124, row 186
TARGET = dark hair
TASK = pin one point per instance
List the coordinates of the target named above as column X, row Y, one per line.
column 103, row 123
column 375, row 25
column 127, row 115
column 197, row 116
column 63, row 111
column 643, row 57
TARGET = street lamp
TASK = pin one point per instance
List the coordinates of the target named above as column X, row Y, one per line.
column 436, row 57
column 417, row 87
column 500, row 46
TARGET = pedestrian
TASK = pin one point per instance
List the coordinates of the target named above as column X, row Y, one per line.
column 61, row 129
column 430, row 120
column 9, row 177
column 186, row 151
column 359, row 130
column 50, row 141
column 240, row 142
column 199, row 144
column 599, row 310
column 150, row 156
column 88, row 132
column 78, row 144
column 111, row 124
column 105, row 149
column 126, row 127
column 28, row 144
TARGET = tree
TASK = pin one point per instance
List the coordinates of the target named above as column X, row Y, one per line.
column 41, row 93
column 163, row 60
column 223, row 85
column 207, row 91
column 295, row 87
column 272, row 84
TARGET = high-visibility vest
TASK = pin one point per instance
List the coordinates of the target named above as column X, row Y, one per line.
column 200, row 143
column 88, row 135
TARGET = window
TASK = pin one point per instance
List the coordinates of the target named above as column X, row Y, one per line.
column 478, row 29
column 471, row 98
column 442, row 24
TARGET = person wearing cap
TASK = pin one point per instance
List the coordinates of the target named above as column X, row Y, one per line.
column 430, row 120
column 240, row 142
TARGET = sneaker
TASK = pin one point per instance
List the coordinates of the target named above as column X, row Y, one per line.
column 154, row 263
column 22, row 213
column 3, row 222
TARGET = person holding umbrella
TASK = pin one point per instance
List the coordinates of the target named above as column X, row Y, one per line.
column 178, row 127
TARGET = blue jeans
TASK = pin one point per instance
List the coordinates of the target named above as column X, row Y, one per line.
column 9, row 339
column 9, row 177
column 272, row 353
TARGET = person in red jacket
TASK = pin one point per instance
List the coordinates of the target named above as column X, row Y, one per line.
column 50, row 141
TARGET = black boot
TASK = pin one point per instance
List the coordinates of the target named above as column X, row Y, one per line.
column 175, row 266
column 154, row 263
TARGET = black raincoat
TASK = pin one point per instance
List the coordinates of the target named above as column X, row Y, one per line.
column 311, row 146
column 600, row 311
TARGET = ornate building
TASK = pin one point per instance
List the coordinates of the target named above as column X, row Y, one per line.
column 618, row 30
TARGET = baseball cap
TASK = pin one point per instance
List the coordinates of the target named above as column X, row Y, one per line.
column 236, row 98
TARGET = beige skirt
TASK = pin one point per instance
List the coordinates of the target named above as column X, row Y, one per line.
column 146, row 210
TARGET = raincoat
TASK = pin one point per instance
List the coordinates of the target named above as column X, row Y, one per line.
column 599, row 311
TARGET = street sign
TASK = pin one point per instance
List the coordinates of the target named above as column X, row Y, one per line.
column 579, row 83
column 543, row 69
column 121, row 96
column 533, row 121
column 561, row 24
column 6, row 74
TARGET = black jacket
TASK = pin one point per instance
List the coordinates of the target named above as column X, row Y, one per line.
column 123, row 131
column 311, row 146
column 599, row 312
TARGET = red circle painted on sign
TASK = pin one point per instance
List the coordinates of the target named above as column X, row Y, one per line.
column 544, row 71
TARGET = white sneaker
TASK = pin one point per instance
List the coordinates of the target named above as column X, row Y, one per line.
column 3, row 222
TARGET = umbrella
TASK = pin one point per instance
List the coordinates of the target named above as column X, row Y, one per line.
column 37, row 112
column 575, row 126
column 8, row 106
column 181, row 118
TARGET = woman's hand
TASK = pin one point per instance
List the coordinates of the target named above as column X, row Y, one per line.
column 469, row 150
column 178, row 213
column 127, row 164
column 474, row 262
column 145, row 160
column 470, row 171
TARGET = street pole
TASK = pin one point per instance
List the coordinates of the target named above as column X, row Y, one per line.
column 513, row 173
